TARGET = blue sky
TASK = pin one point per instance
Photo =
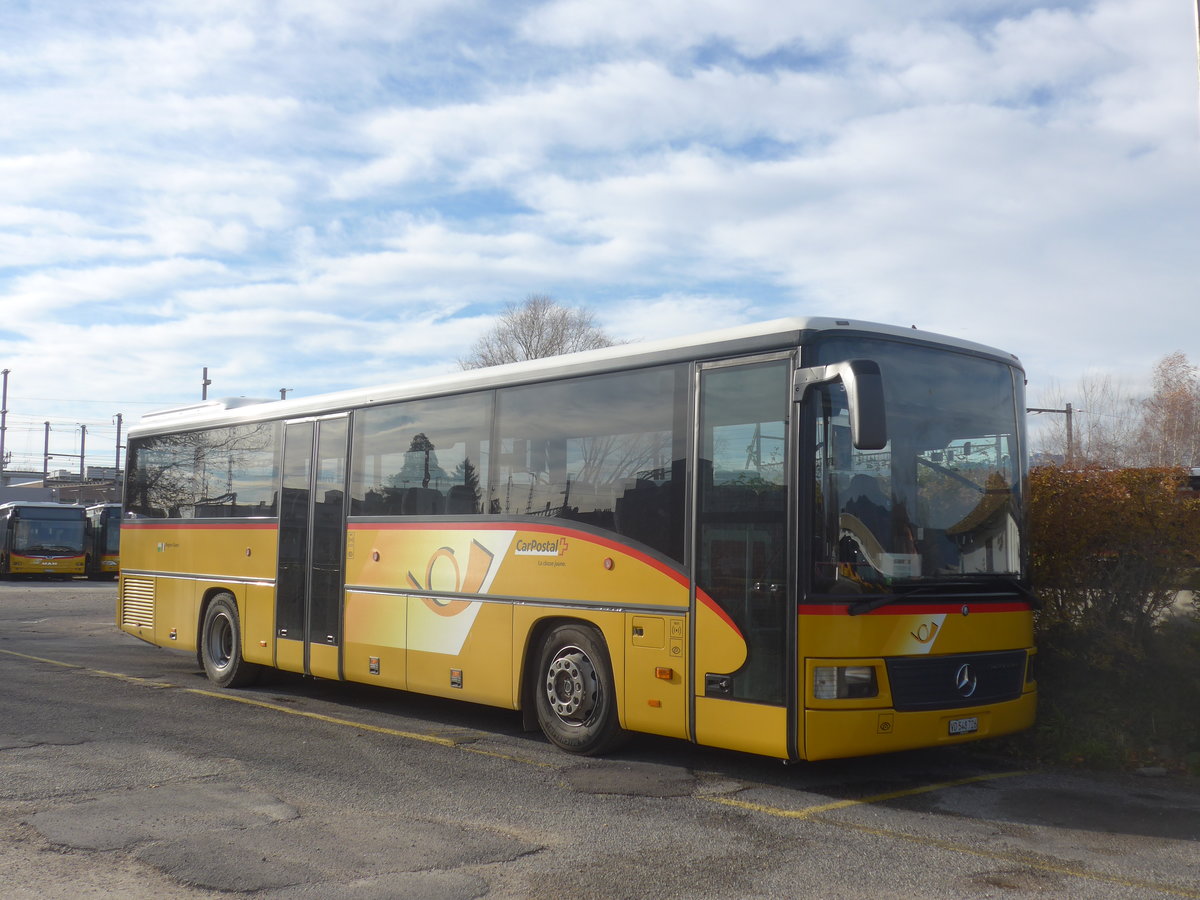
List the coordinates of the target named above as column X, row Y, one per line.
column 333, row 193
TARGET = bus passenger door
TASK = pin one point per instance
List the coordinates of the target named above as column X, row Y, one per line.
column 744, row 609
column 312, row 529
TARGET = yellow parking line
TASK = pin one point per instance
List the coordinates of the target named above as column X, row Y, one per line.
column 393, row 732
column 810, row 811
column 250, row 701
column 53, row 662
column 132, row 679
column 363, row 726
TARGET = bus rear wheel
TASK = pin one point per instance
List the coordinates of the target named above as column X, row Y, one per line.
column 574, row 694
column 221, row 645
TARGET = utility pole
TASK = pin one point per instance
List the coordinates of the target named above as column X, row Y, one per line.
column 117, row 465
column 1069, row 412
column 82, row 445
column 46, row 457
column 204, row 383
column 3, row 423
column 283, row 392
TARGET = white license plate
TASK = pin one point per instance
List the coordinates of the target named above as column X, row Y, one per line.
column 968, row 725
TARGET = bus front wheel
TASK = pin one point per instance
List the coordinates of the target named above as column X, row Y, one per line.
column 574, row 694
column 221, row 645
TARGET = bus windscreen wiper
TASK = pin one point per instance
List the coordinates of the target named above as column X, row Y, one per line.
column 938, row 590
column 866, row 606
column 1025, row 592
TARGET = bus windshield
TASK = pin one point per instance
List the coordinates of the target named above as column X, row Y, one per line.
column 48, row 534
column 111, row 522
column 945, row 498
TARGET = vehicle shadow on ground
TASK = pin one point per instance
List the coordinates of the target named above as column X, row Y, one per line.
column 962, row 781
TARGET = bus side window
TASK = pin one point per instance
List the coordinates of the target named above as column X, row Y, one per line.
column 421, row 457
column 606, row 451
column 214, row 473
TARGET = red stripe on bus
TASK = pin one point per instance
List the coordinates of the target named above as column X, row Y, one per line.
column 702, row 597
column 585, row 536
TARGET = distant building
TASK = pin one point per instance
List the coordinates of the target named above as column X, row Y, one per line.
column 22, row 485
column 101, row 484
column 1046, row 459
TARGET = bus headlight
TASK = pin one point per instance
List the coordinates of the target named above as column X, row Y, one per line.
column 844, row 682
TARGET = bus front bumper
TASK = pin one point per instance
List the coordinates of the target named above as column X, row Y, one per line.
column 45, row 565
column 837, row 733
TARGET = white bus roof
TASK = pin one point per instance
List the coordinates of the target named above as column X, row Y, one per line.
column 740, row 340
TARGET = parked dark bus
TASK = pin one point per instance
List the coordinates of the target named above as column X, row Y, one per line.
column 41, row 539
column 103, row 541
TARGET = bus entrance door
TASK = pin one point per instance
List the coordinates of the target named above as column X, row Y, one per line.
column 312, row 530
column 742, row 608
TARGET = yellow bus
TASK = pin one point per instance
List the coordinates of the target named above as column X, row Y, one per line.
column 103, row 541
column 803, row 539
column 41, row 539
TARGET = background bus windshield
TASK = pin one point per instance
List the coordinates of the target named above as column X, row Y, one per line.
column 49, row 531
column 944, row 498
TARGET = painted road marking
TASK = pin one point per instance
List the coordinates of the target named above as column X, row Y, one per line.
column 454, row 742
column 809, row 813
column 812, row 812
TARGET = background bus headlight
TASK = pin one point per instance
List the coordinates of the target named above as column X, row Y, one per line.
column 844, row 682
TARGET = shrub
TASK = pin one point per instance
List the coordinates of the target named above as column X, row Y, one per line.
column 1119, row 664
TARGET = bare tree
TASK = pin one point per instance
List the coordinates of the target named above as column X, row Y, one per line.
column 1170, row 427
column 537, row 328
column 1112, row 428
column 1103, row 422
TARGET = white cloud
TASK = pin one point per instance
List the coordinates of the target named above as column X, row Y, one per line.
column 753, row 27
column 34, row 302
column 32, row 176
column 594, row 121
column 323, row 194
column 163, row 57
column 650, row 318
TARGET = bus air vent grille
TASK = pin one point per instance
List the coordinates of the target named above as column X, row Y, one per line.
column 946, row 682
column 137, row 602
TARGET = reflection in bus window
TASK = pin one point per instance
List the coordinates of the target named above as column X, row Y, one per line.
column 605, row 451
column 215, row 473
column 421, row 457
column 944, row 497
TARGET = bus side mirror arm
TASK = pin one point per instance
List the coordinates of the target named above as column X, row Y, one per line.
column 864, row 391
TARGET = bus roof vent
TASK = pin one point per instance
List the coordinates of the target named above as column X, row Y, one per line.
column 205, row 406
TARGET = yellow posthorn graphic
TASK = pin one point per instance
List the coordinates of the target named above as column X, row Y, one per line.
column 479, row 563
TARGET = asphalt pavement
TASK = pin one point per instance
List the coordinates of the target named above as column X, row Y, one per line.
column 123, row 773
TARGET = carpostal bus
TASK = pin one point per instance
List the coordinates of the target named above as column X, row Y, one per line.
column 803, row 539
column 103, row 540
column 43, row 539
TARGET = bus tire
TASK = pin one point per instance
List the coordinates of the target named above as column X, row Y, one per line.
column 221, row 645
column 574, row 693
